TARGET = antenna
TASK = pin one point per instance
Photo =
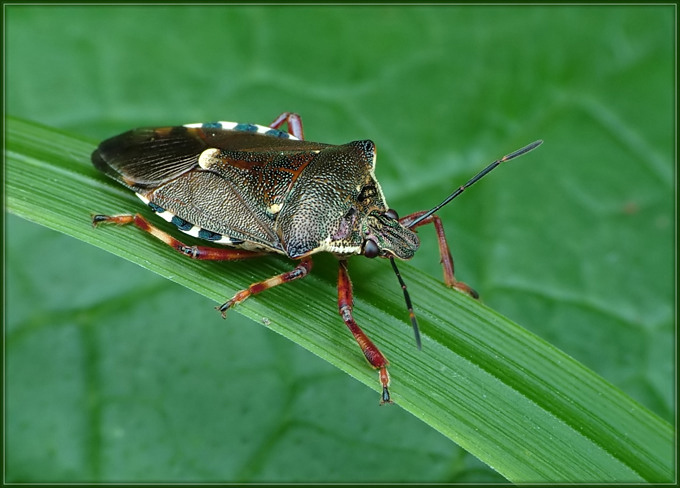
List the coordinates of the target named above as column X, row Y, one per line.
column 411, row 313
column 476, row 178
column 459, row 190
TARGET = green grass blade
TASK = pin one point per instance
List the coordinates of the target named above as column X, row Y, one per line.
column 518, row 404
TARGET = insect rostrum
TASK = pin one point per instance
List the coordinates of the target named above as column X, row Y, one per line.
column 258, row 190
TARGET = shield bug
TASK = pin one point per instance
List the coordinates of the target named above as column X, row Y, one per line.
column 257, row 190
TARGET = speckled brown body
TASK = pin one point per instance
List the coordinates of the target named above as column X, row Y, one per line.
column 258, row 190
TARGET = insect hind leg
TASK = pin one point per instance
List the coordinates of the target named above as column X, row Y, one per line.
column 293, row 121
column 195, row 252
column 210, row 254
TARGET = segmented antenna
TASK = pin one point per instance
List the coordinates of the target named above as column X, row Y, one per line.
column 459, row 190
column 477, row 177
column 411, row 313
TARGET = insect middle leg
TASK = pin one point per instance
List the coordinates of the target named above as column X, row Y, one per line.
column 371, row 352
column 300, row 271
column 444, row 251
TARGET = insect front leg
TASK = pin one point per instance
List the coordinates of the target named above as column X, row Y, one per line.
column 444, row 251
column 371, row 352
column 293, row 121
column 300, row 271
column 195, row 252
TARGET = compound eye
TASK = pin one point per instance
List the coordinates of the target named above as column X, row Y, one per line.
column 392, row 214
column 371, row 249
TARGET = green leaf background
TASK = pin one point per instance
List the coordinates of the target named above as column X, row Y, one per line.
column 116, row 374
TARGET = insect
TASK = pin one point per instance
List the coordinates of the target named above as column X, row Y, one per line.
column 258, row 190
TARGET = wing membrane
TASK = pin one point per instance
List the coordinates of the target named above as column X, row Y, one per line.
column 144, row 159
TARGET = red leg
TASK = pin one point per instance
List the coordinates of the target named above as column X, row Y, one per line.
column 211, row 254
column 371, row 352
column 300, row 271
column 293, row 121
column 444, row 252
column 194, row 252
